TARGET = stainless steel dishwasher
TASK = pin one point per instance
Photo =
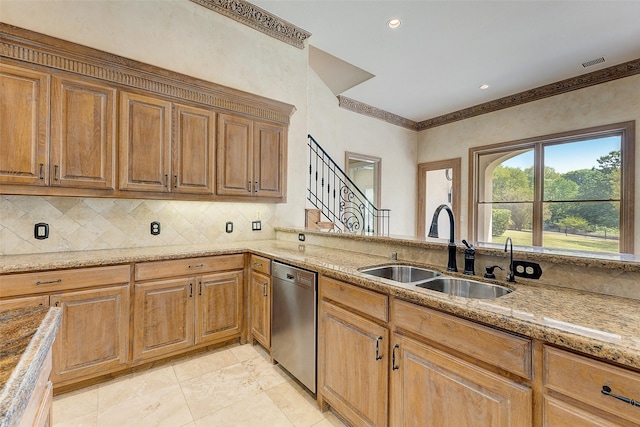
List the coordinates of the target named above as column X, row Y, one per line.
column 294, row 322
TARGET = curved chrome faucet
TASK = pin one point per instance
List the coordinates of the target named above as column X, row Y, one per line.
column 510, row 275
column 433, row 232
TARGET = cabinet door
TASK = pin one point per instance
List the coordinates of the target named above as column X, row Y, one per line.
column 260, row 303
column 94, row 334
column 353, row 362
column 269, row 160
column 219, row 306
column 83, row 135
column 162, row 317
column 145, row 137
column 433, row 388
column 24, row 126
column 193, row 150
column 235, row 144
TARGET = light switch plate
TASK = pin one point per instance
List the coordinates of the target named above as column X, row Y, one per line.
column 229, row 227
column 256, row 225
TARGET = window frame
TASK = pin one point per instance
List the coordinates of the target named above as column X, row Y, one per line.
column 627, row 176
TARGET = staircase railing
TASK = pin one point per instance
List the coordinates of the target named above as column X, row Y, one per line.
column 339, row 199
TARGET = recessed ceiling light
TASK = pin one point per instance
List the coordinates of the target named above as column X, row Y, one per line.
column 484, row 86
column 394, row 23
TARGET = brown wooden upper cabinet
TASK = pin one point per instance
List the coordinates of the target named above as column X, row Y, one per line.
column 251, row 158
column 83, row 135
column 152, row 159
column 24, row 113
column 76, row 150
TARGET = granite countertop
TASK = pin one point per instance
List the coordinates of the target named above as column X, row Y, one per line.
column 603, row 326
column 27, row 336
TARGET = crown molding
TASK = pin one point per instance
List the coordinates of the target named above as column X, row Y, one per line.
column 258, row 19
column 605, row 75
column 368, row 110
column 20, row 46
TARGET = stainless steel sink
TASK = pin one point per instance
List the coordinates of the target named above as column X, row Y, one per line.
column 401, row 273
column 464, row 288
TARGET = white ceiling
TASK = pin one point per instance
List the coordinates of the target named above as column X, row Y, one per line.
column 445, row 50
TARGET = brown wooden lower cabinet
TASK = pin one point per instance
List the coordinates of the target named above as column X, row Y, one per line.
column 94, row 335
column 175, row 314
column 38, row 410
column 430, row 387
column 163, row 317
column 218, row 306
column 573, row 386
column 260, row 303
column 353, row 362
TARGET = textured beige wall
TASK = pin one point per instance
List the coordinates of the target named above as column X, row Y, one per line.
column 613, row 102
column 186, row 38
column 338, row 130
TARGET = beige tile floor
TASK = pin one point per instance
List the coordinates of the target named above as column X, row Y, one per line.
column 232, row 386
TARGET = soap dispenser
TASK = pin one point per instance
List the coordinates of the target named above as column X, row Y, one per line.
column 469, row 259
column 489, row 271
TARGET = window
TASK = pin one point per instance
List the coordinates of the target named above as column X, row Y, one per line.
column 567, row 191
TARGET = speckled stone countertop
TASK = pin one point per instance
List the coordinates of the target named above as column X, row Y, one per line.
column 27, row 336
column 603, row 326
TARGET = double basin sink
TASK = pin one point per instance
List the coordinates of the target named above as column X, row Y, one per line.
column 436, row 281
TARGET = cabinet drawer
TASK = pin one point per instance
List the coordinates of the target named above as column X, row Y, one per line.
column 506, row 351
column 12, row 303
column 189, row 266
column 582, row 379
column 54, row 281
column 260, row 264
column 363, row 300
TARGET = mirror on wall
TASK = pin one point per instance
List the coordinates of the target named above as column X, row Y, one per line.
column 438, row 183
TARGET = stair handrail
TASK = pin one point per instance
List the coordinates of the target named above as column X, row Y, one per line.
column 378, row 218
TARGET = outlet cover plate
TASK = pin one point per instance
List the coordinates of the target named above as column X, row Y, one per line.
column 155, row 228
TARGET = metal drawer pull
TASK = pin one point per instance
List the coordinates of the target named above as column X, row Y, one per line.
column 394, row 367
column 196, row 266
column 41, row 170
column 249, row 186
column 49, row 282
column 200, row 293
column 55, row 172
column 264, row 290
column 378, row 355
column 606, row 390
column 257, row 264
column 255, row 187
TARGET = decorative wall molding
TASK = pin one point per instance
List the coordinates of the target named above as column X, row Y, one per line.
column 605, row 75
column 24, row 46
column 258, row 19
column 368, row 110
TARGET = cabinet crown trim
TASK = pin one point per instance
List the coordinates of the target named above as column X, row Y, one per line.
column 38, row 49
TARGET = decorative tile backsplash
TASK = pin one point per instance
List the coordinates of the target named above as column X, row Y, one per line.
column 77, row 223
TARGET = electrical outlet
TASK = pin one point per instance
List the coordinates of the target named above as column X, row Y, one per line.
column 256, row 225
column 229, row 227
column 41, row 231
column 301, row 237
column 155, row 228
